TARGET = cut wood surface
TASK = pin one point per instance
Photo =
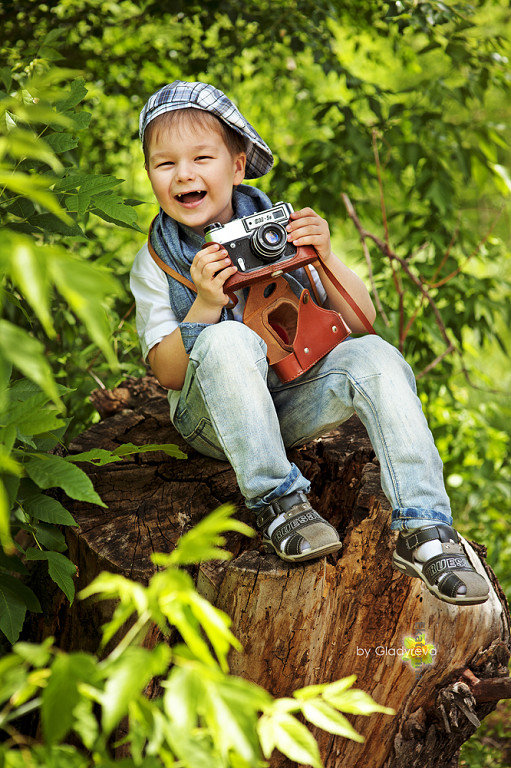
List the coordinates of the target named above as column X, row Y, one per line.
column 298, row 624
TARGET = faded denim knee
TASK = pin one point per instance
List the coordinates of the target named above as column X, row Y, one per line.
column 228, row 342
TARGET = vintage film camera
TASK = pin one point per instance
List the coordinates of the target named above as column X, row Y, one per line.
column 258, row 246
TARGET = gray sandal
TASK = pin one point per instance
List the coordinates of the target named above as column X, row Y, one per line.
column 449, row 576
column 304, row 534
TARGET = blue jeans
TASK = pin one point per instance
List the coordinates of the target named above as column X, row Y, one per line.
column 233, row 407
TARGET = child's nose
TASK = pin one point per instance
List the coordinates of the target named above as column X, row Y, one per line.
column 185, row 171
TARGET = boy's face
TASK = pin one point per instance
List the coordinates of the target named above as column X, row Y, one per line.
column 192, row 174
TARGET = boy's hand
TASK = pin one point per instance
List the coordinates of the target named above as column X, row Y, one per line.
column 306, row 227
column 210, row 269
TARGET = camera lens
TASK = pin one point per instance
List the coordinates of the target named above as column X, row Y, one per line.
column 271, row 237
column 269, row 241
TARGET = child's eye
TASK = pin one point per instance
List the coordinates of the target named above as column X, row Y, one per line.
column 204, row 157
column 162, row 165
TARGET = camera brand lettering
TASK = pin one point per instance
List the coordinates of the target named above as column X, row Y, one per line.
column 250, row 222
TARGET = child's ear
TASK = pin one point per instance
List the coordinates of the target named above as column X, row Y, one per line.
column 239, row 168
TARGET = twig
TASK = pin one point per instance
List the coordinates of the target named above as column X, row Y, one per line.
column 386, row 250
column 416, row 253
column 447, row 351
column 377, row 299
column 395, row 276
column 380, row 184
column 445, row 257
column 364, row 233
column 96, row 378
column 473, row 252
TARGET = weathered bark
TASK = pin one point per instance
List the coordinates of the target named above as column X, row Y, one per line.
column 299, row 624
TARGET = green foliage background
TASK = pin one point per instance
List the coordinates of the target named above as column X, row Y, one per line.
column 408, row 100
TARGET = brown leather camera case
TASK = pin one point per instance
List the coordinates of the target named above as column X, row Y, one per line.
column 297, row 331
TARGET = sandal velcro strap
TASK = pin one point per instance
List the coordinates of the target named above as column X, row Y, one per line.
column 441, row 532
column 294, row 524
column 445, row 563
column 265, row 517
column 279, row 506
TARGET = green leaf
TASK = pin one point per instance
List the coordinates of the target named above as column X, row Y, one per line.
column 53, row 471
column 5, row 524
column 24, row 403
column 6, row 76
column 100, row 456
column 7, row 463
column 85, row 724
column 12, row 563
column 322, row 715
column 61, row 694
column 12, row 613
column 112, row 220
column 295, row 741
column 356, row 702
column 216, row 625
column 50, row 223
column 49, row 510
column 12, row 485
column 203, row 541
column 21, row 144
column 333, row 689
column 505, row 179
column 169, row 448
column 61, row 142
column 7, row 439
column 88, row 185
column 60, row 568
column 39, row 423
column 127, row 677
column 310, row 691
column 49, row 536
column 192, row 750
column 77, row 93
column 266, row 733
column 15, row 598
column 183, row 691
column 113, row 205
column 83, row 286
column 34, row 188
column 5, row 376
column 231, row 727
column 27, row 354
column 33, row 654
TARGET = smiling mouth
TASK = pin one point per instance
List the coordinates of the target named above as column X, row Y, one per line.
column 191, row 197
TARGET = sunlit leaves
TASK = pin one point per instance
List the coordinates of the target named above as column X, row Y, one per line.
column 204, row 541
column 49, row 471
column 27, row 354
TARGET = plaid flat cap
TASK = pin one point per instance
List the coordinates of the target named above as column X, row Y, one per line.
column 182, row 95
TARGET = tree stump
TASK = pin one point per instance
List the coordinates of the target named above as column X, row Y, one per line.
column 298, row 624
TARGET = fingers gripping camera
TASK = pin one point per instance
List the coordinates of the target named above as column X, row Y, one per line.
column 258, row 246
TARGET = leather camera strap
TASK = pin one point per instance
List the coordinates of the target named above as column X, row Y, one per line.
column 234, row 300
column 344, row 293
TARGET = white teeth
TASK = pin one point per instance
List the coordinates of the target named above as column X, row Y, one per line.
column 181, row 194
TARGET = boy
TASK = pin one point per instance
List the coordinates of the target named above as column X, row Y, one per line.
column 225, row 401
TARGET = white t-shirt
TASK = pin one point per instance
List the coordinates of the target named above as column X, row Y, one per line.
column 154, row 316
